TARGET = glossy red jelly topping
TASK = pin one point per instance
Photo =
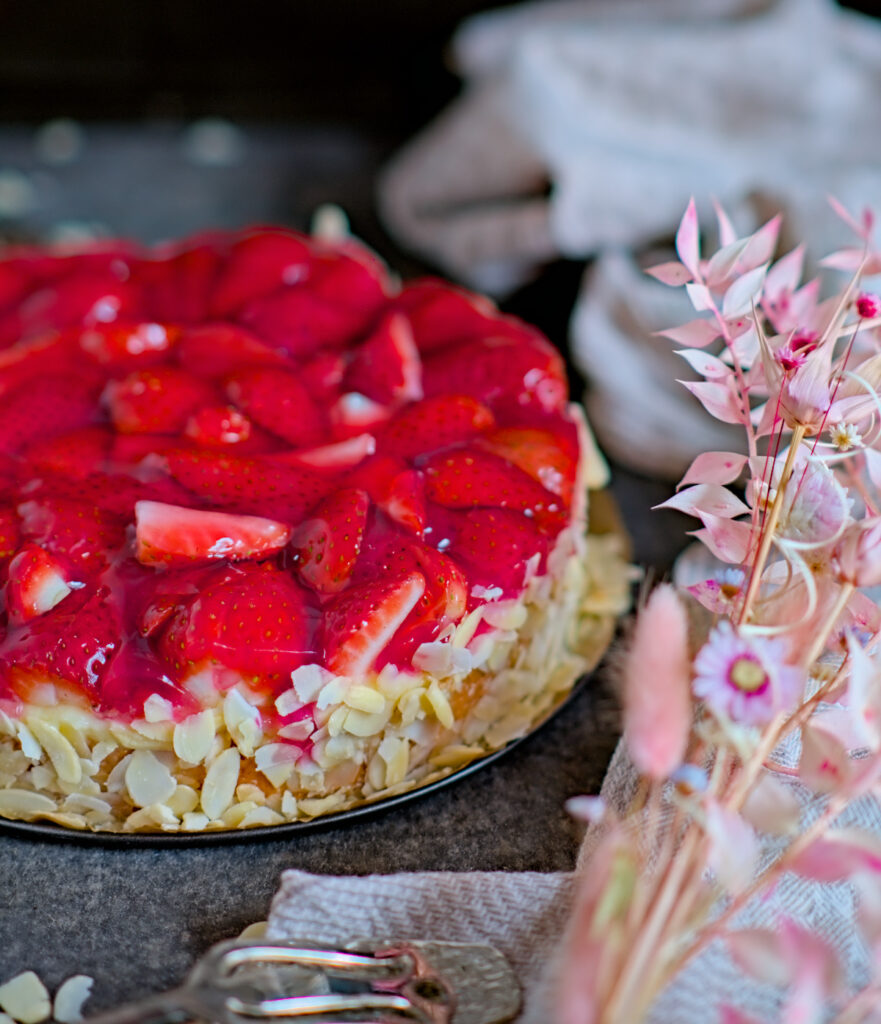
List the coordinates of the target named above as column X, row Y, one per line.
column 252, row 452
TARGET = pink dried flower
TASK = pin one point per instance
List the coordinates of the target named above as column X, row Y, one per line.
column 868, row 306
column 657, row 705
column 745, row 678
column 858, row 553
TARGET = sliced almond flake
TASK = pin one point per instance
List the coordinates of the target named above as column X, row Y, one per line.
column 308, row 680
column 158, row 709
column 250, row 791
column 76, row 737
column 288, row 804
column 70, row 997
column 392, row 683
column 7, row 726
column 75, row 821
column 25, row 998
column 333, row 692
column 29, row 745
column 183, row 800
column 22, row 803
column 261, row 816
column 452, row 757
column 466, row 629
column 339, row 749
column 233, row 815
column 360, row 723
column 396, row 754
column 376, row 768
column 505, row 614
column 257, row 930
column 410, row 705
column 81, row 802
column 41, row 777
column 195, row 822
column 336, row 721
column 193, row 737
column 313, row 808
column 134, row 740
column 365, row 698
column 161, row 732
column 148, row 780
column 202, row 686
column 220, row 783
column 301, row 730
column 242, row 721
column 64, row 758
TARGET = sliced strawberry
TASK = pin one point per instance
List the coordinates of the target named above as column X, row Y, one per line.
column 179, row 281
column 322, row 376
column 128, row 345
column 9, row 532
column 352, row 276
column 252, row 618
column 442, row 315
column 29, row 359
column 298, row 322
column 502, row 372
column 470, row 478
column 37, row 582
column 258, row 264
column 327, row 544
column 134, row 675
column 83, row 535
column 218, row 425
column 494, row 545
column 354, row 413
column 75, row 454
column 156, row 401
column 74, row 642
column 277, row 401
column 216, row 350
column 396, row 488
column 541, row 454
column 338, row 456
column 361, row 622
column 249, row 484
column 44, row 407
column 433, row 424
column 82, row 297
column 171, row 535
column 128, row 450
column 386, row 367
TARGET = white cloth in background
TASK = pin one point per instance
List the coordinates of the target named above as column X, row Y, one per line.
column 524, row 914
column 585, row 125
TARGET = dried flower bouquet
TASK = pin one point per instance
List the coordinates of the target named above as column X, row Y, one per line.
column 777, row 651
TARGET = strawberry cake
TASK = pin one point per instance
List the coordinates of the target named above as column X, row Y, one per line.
column 278, row 536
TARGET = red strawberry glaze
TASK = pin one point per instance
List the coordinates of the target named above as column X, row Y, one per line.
column 246, row 453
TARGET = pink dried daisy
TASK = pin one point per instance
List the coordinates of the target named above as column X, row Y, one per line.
column 745, row 678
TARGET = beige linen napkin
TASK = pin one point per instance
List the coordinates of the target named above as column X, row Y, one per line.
column 524, row 914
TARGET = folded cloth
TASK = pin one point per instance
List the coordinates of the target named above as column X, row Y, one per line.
column 524, row 914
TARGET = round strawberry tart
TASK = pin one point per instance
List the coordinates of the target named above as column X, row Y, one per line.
column 278, row 536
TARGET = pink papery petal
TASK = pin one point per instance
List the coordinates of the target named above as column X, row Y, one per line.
column 714, row 468
column 711, row 594
column 687, row 239
column 727, row 234
column 863, row 698
column 836, row 856
column 816, row 508
column 784, row 276
column 860, row 228
column 700, row 297
column 718, row 399
column 729, row 541
column 816, row 973
column 657, row 698
column 695, row 334
column 825, row 764
column 873, row 466
column 858, row 553
column 772, row 807
column 744, row 293
column 702, row 499
column 708, row 366
column 673, row 273
column 734, row 849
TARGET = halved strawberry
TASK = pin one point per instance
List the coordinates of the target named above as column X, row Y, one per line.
column 338, row 456
column 327, row 544
column 386, row 367
column 361, row 622
column 350, row 275
column 75, row 454
column 299, row 322
column 396, row 488
column 540, row 453
column 249, row 484
column 10, row 535
column 171, row 535
column 178, row 281
column 503, row 372
column 218, row 425
column 74, row 642
column 37, row 583
column 258, row 264
column 44, row 407
column 80, row 533
column 133, row 675
column 277, row 401
column 120, row 344
column 81, row 297
column 255, row 619
column 322, row 375
column 216, row 350
column 353, row 413
column 470, row 478
column 433, row 424
column 494, row 544
column 442, row 315
column 156, row 401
